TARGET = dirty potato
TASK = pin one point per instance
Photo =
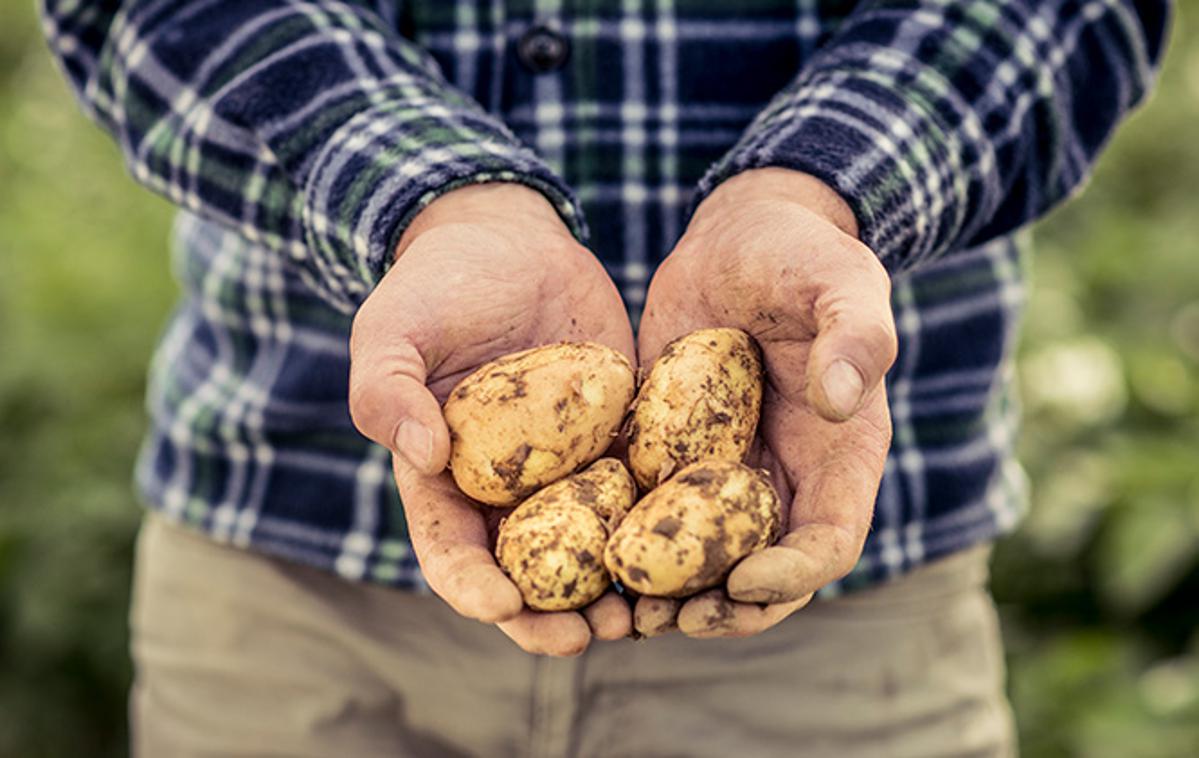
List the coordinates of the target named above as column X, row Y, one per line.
column 552, row 545
column 607, row 488
column 687, row 534
column 530, row 418
column 701, row 400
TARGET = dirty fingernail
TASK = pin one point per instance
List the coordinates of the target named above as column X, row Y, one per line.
column 843, row 387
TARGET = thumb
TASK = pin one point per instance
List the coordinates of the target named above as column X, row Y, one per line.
column 855, row 341
column 391, row 405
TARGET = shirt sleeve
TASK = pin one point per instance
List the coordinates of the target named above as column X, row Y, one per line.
column 944, row 123
column 310, row 127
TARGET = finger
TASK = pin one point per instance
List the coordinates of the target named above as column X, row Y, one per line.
column 714, row 614
column 855, row 342
column 830, row 514
column 562, row 634
column 655, row 616
column 609, row 617
column 666, row 318
column 805, row 560
column 449, row 537
column 390, row 404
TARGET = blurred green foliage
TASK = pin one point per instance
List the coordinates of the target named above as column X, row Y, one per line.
column 1098, row 590
column 83, row 288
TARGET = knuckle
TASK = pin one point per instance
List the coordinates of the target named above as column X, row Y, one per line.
column 848, row 545
column 356, row 328
column 363, row 404
column 880, row 334
column 870, row 267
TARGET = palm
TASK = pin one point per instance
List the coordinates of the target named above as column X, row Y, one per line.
column 498, row 299
column 496, row 273
column 794, row 442
column 800, row 287
column 806, row 453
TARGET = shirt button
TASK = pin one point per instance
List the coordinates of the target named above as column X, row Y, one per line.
column 543, row 49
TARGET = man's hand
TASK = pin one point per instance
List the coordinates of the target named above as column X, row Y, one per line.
column 483, row 271
column 775, row 252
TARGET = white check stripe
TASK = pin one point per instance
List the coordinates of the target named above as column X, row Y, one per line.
column 244, row 388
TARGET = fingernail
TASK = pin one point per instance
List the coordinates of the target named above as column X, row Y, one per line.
column 843, row 387
column 415, row 443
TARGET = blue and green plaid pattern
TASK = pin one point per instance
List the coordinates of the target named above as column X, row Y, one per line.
column 299, row 137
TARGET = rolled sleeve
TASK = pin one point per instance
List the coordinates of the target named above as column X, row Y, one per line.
column 385, row 164
column 312, row 128
column 944, row 124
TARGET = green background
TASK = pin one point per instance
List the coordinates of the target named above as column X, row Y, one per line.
column 1099, row 591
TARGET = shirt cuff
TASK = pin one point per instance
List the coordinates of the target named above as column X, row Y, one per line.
column 386, row 163
column 882, row 142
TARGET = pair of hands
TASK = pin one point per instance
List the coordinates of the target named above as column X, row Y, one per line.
column 491, row 269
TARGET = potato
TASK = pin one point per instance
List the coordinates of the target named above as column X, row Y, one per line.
column 552, row 545
column 701, row 400
column 530, row 418
column 687, row 534
column 607, row 488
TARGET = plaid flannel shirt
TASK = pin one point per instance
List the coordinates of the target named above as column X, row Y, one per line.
column 299, row 137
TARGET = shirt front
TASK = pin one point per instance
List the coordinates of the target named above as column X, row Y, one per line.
column 300, row 138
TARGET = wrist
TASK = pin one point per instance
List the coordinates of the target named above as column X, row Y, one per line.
column 501, row 206
column 782, row 184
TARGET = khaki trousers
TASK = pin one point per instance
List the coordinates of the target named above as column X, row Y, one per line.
column 241, row 655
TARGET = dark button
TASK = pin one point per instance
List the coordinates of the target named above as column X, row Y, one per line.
column 543, row 49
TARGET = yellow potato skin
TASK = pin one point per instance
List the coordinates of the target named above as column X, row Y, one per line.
column 687, row 534
column 605, row 486
column 530, row 418
column 552, row 545
column 701, row 400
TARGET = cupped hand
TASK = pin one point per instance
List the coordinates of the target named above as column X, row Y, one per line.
column 483, row 271
column 775, row 252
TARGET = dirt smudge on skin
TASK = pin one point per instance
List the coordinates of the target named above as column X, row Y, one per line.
column 512, row 469
column 749, row 539
column 637, row 574
column 722, row 613
column 699, row 478
column 632, row 430
column 587, row 492
column 520, row 387
column 668, row 351
column 668, row 527
column 719, row 418
column 716, row 559
column 705, row 480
